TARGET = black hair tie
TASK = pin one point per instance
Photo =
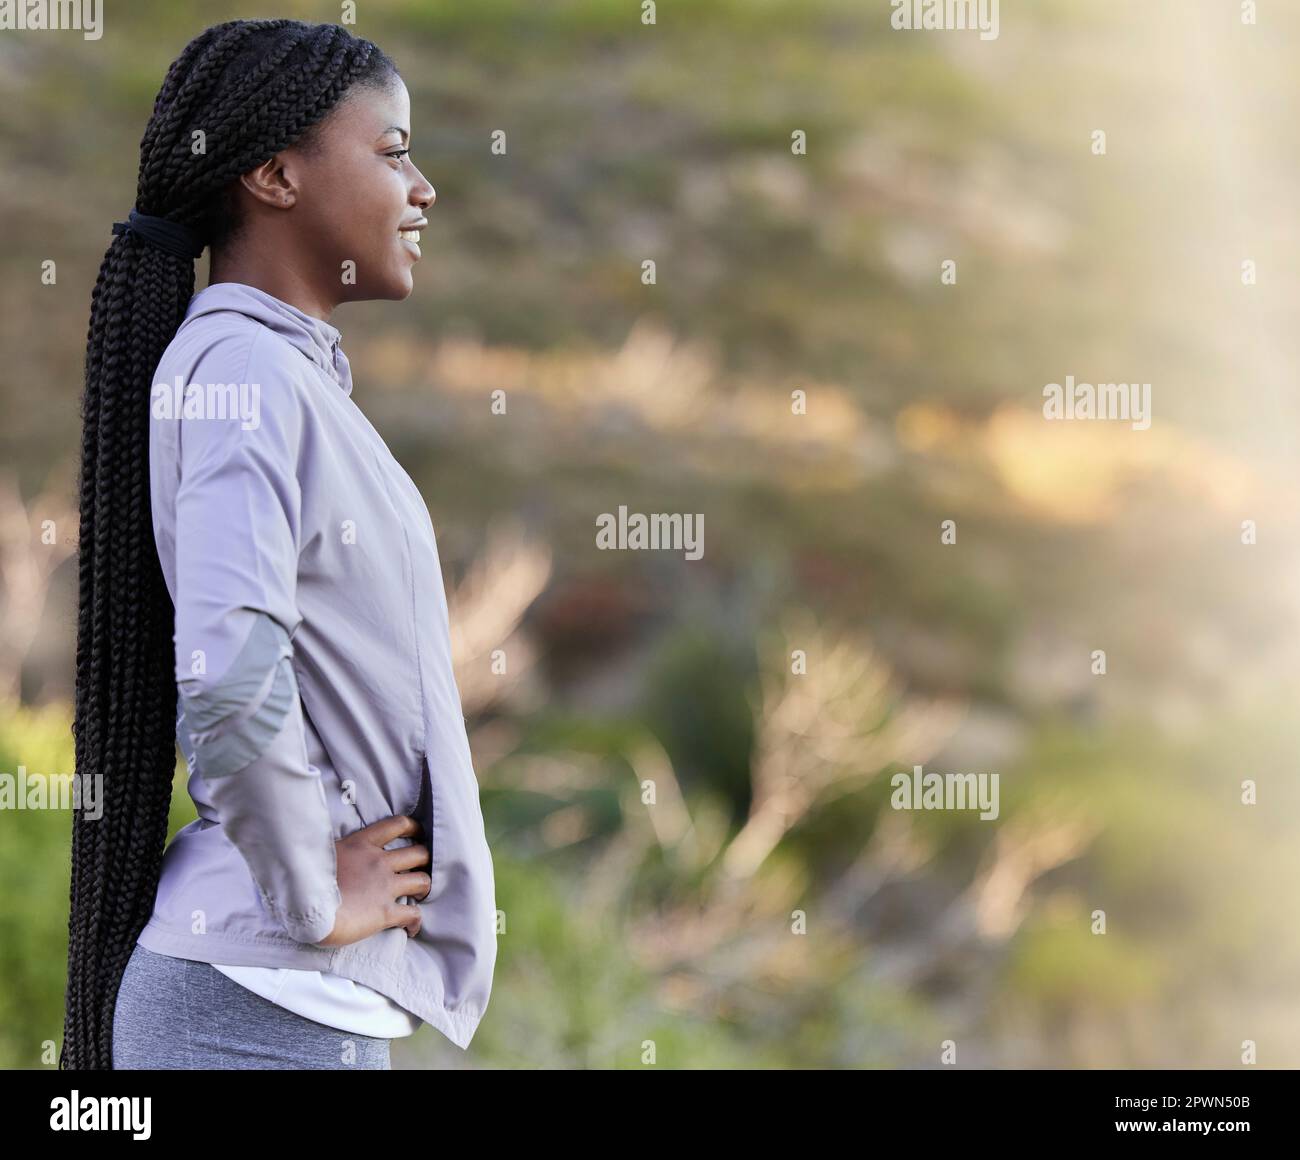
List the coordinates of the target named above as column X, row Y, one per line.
column 173, row 237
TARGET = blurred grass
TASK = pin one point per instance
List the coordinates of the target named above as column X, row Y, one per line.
column 575, row 990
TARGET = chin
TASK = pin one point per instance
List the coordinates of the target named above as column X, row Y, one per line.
column 401, row 287
column 394, row 290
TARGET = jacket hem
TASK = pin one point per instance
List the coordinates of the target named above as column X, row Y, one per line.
column 272, row 951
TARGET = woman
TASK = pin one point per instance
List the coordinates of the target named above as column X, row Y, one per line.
column 260, row 582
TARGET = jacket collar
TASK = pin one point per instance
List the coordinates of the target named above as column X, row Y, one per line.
column 316, row 339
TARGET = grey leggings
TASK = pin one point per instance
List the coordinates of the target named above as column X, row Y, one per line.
column 179, row 1014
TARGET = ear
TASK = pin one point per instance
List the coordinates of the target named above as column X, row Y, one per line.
column 272, row 182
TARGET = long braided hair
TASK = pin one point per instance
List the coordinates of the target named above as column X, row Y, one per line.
column 246, row 89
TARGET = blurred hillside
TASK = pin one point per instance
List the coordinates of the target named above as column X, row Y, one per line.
column 775, row 273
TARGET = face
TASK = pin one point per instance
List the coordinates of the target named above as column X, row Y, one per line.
column 358, row 201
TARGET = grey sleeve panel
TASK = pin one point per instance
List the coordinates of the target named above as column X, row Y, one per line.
column 183, row 734
column 274, row 812
column 233, row 721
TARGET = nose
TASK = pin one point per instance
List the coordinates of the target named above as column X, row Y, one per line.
column 422, row 193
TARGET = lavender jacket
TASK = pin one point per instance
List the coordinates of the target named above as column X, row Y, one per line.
column 313, row 665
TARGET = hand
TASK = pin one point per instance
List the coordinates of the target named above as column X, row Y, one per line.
column 371, row 879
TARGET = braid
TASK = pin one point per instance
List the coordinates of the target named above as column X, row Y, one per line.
column 253, row 87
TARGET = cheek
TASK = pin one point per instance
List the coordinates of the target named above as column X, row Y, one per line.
column 379, row 203
column 365, row 193
column 358, row 219
column 357, row 230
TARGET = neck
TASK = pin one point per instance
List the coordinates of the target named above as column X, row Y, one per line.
column 270, row 273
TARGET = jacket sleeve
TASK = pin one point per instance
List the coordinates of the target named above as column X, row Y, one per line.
column 237, row 542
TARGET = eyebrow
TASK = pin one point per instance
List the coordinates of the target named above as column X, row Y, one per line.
column 396, row 129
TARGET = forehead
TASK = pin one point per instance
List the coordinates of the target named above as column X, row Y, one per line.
column 368, row 112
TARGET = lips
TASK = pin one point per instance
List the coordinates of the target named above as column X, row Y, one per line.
column 410, row 234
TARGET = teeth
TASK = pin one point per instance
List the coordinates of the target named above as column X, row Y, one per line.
column 409, row 236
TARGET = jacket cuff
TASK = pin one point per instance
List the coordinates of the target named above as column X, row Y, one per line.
column 308, row 926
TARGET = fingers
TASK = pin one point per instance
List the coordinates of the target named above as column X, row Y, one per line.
column 407, row 857
column 416, row 885
column 386, row 829
column 406, row 917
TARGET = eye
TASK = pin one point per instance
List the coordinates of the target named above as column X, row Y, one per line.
column 400, row 153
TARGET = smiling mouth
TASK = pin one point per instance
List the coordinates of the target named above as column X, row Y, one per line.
column 412, row 237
